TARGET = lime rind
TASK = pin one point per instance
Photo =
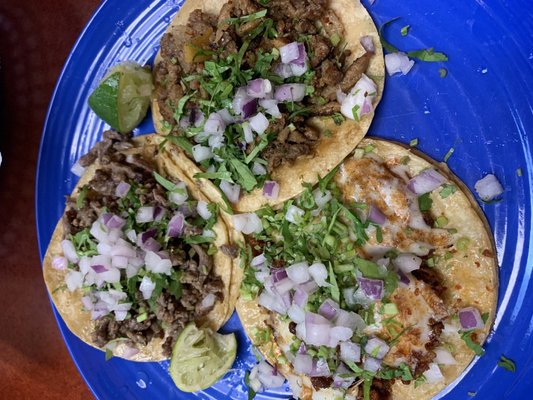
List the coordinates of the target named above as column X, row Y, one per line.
column 122, row 98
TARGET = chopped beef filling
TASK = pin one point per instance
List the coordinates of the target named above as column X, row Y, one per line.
column 208, row 37
column 115, row 165
column 381, row 389
column 431, row 277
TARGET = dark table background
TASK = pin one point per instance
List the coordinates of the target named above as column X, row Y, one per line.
column 35, row 39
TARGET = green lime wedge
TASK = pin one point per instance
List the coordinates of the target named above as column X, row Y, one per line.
column 123, row 96
column 201, row 357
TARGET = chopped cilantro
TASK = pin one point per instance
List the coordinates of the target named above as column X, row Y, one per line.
column 355, row 112
column 223, row 175
column 447, row 190
column 462, row 243
column 405, row 30
column 443, row 72
column 251, row 392
column 335, row 292
column 405, row 160
column 441, row 221
column 420, row 380
column 485, row 317
column 108, row 354
column 449, row 154
column 428, row 55
column 475, row 347
column 338, row 118
column 519, row 172
column 247, row 18
column 181, row 105
column 80, row 200
column 413, row 142
column 324, row 182
column 246, row 179
column 425, row 202
column 181, row 142
column 507, row 363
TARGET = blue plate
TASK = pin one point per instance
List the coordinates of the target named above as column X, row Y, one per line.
column 482, row 108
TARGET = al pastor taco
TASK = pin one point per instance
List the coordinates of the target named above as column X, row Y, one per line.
column 379, row 283
column 260, row 96
column 139, row 252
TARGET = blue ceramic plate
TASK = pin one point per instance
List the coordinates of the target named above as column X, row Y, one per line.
column 482, row 108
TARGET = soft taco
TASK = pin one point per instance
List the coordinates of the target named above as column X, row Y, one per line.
column 380, row 283
column 139, row 252
column 260, row 96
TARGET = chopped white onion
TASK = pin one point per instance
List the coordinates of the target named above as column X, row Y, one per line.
column 77, row 169
column 60, row 263
column 433, row 374
column 398, row 62
column 321, row 199
column 122, row 189
column 368, row 44
column 216, row 141
column 208, row 301
column 247, row 223
column 294, row 214
column 339, row 334
column 289, row 52
column 155, row 263
column 297, row 314
column 144, row 214
column 444, row 357
column 201, row 153
column 407, row 262
column 269, row 376
column 247, row 130
column 358, row 101
column 259, row 88
column 74, row 280
column 377, row 348
column 147, row 287
column 258, row 260
column 258, row 169
column 69, row 251
column 215, row 124
column 488, row 188
column 272, row 302
column 259, row 123
column 303, row 364
column 319, row 273
column 350, row 352
column 299, row 272
column 179, row 194
column 232, row 191
column 293, row 92
column 202, row 209
column 372, row 364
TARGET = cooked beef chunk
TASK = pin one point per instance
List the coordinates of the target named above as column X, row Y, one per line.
column 292, row 327
column 355, row 71
column 381, row 389
column 245, row 7
column 320, row 48
column 330, row 74
column 276, row 153
column 298, row 9
column 431, row 277
column 327, row 109
column 321, row 382
column 436, row 330
column 230, row 250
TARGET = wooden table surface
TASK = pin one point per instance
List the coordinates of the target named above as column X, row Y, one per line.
column 35, row 39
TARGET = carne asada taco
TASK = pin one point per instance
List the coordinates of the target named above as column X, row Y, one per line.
column 262, row 96
column 139, row 252
column 379, row 283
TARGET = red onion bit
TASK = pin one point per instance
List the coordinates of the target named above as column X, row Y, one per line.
column 470, row 318
column 122, row 189
column 175, row 225
column 271, row 190
column 290, row 92
column 425, row 182
column 376, row 216
column 368, row 44
column 372, row 288
column 328, row 309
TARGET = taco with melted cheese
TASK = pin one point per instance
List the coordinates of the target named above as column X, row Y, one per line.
column 260, row 96
column 139, row 252
column 380, row 283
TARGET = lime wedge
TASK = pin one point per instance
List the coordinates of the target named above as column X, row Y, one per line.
column 123, row 96
column 201, row 357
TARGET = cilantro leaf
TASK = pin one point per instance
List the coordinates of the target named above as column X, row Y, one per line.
column 181, row 105
column 335, row 292
column 443, row 72
column 247, row 179
column 80, row 200
column 168, row 185
column 324, row 182
column 223, row 175
column 405, row 30
column 507, row 363
column 181, row 142
column 425, row 202
column 428, row 55
column 251, row 392
column 475, row 347
column 447, row 190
